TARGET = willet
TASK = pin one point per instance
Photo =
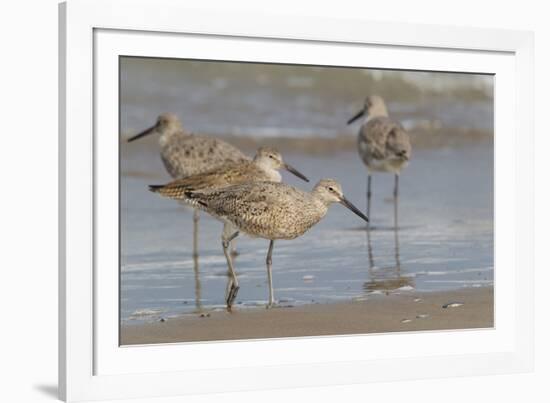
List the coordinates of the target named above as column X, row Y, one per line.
column 184, row 153
column 383, row 144
column 267, row 210
column 263, row 168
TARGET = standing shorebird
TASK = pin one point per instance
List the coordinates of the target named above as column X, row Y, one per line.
column 263, row 168
column 184, row 154
column 383, row 144
column 267, row 210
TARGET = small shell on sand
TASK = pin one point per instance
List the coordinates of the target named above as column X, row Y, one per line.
column 406, row 320
column 422, row 316
column 453, row 305
column 308, row 277
column 417, row 300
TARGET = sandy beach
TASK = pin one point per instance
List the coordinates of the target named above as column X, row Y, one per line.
column 377, row 314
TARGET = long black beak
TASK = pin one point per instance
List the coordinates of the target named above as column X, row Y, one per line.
column 144, row 133
column 294, row 171
column 356, row 116
column 348, row 204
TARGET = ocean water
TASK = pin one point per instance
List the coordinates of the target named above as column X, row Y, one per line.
column 444, row 238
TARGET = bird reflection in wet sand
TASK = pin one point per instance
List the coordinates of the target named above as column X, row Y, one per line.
column 389, row 278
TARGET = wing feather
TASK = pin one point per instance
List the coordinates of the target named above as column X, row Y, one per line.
column 381, row 138
column 192, row 154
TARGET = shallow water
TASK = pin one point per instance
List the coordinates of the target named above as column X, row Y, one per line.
column 444, row 238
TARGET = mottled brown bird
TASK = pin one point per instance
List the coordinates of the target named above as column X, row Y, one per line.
column 263, row 168
column 267, row 210
column 184, row 153
column 383, row 144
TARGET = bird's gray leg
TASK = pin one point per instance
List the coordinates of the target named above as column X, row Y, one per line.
column 196, row 233
column 233, row 284
column 269, row 276
column 197, row 283
column 369, row 194
column 395, row 200
column 396, row 241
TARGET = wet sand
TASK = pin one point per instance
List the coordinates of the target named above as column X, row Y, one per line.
column 406, row 311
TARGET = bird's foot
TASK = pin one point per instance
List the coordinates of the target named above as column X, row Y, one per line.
column 271, row 304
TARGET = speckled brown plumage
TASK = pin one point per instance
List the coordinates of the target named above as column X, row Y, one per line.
column 383, row 144
column 265, row 209
column 184, row 153
column 231, row 174
column 380, row 139
column 264, row 168
column 189, row 154
column 268, row 210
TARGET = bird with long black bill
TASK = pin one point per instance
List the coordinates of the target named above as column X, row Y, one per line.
column 184, row 153
column 269, row 210
column 263, row 168
column 383, row 144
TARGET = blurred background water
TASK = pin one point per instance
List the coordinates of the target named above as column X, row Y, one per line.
column 238, row 99
column 445, row 234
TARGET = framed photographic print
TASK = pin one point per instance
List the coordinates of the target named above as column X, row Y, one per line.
column 257, row 201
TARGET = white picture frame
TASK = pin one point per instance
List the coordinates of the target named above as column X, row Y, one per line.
column 93, row 33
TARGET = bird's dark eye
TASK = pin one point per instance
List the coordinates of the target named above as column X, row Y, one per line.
column 331, row 189
column 271, row 156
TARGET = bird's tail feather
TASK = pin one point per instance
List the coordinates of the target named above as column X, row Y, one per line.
column 155, row 188
column 180, row 193
column 171, row 191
